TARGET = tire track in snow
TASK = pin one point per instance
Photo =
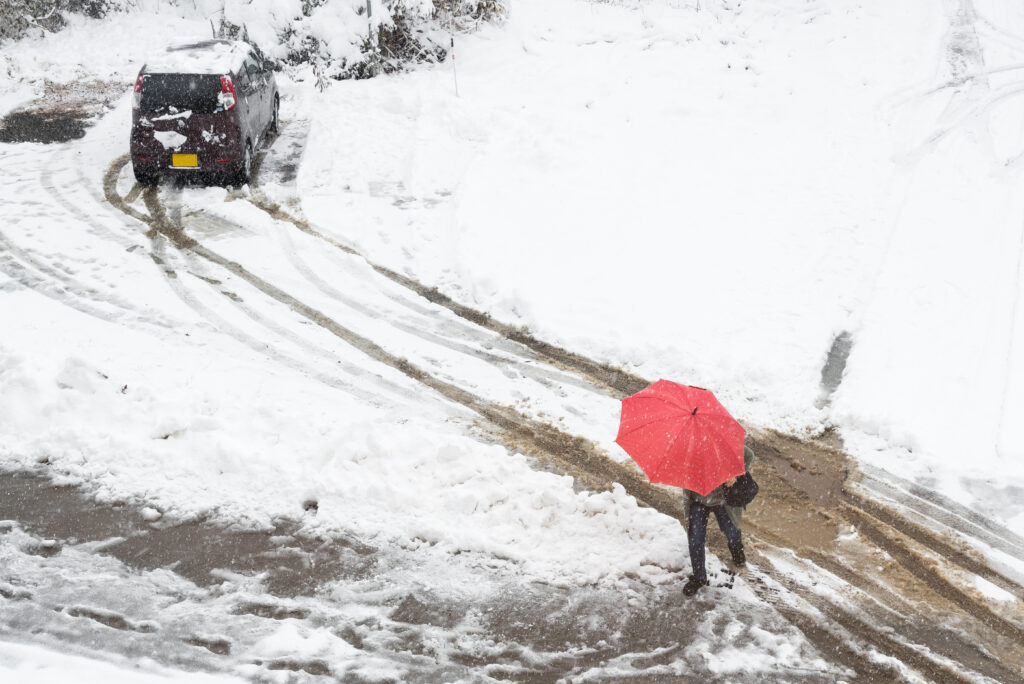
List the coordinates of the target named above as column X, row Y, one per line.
column 856, row 508
column 36, row 273
column 873, row 604
column 603, row 375
column 862, row 506
column 934, row 506
column 526, row 361
column 515, row 360
column 502, row 416
column 221, row 325
column 865, row 626
column 129, row 243
column 909, row 595
column 96, row 228
column 972, row 95
column 886, row 537
column 157, row 254
column 38, row 276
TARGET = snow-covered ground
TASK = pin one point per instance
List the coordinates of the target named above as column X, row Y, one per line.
column 710, row 196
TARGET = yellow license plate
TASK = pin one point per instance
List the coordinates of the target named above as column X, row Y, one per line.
column 188, row 160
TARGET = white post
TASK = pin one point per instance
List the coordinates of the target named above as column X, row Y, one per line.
column 451, row 36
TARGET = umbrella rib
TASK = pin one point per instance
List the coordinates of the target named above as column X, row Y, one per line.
column 719, row 444
column 690, row 446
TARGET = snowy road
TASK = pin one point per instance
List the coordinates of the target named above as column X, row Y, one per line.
column 244, row 437
column 245, row 270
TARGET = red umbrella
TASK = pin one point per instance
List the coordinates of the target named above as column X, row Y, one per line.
column 680, row 435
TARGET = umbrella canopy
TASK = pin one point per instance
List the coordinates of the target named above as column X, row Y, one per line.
column 681, row 435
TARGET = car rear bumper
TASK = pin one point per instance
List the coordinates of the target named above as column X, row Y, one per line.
column 215, row 146
column 152, row 160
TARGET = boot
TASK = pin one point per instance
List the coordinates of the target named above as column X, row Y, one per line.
column 738, row 557
column 693, row 585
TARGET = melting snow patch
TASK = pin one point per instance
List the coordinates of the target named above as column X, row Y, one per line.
column 209, row 136
column 991, row 591
column 151, row 514
column 297, row 642
column 176, row 115
column 171, row 140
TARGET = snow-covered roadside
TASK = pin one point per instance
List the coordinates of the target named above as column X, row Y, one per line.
column 715, row 197
column 30, row 663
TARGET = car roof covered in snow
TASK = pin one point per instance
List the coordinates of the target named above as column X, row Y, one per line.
column 203, row 57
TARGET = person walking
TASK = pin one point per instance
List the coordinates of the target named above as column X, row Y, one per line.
column 700, row 509
column 681, row 435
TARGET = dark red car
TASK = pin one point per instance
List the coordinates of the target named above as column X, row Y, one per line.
column 205, row 108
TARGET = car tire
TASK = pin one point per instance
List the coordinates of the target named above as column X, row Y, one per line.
column 275, row 121
column 244, row 173
column 147, row 178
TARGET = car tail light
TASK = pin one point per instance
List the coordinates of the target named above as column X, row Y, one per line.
column 227, row 94
column 137, row 93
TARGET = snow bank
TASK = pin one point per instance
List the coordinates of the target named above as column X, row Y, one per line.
column 39, row 665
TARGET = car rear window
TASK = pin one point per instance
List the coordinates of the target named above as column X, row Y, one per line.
column 196, row 92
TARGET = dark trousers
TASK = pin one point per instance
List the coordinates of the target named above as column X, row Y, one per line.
column 698, row 532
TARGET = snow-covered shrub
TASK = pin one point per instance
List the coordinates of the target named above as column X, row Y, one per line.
column 350, row 39
column 477, row 10
column 96, row 9
column 18, row 16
